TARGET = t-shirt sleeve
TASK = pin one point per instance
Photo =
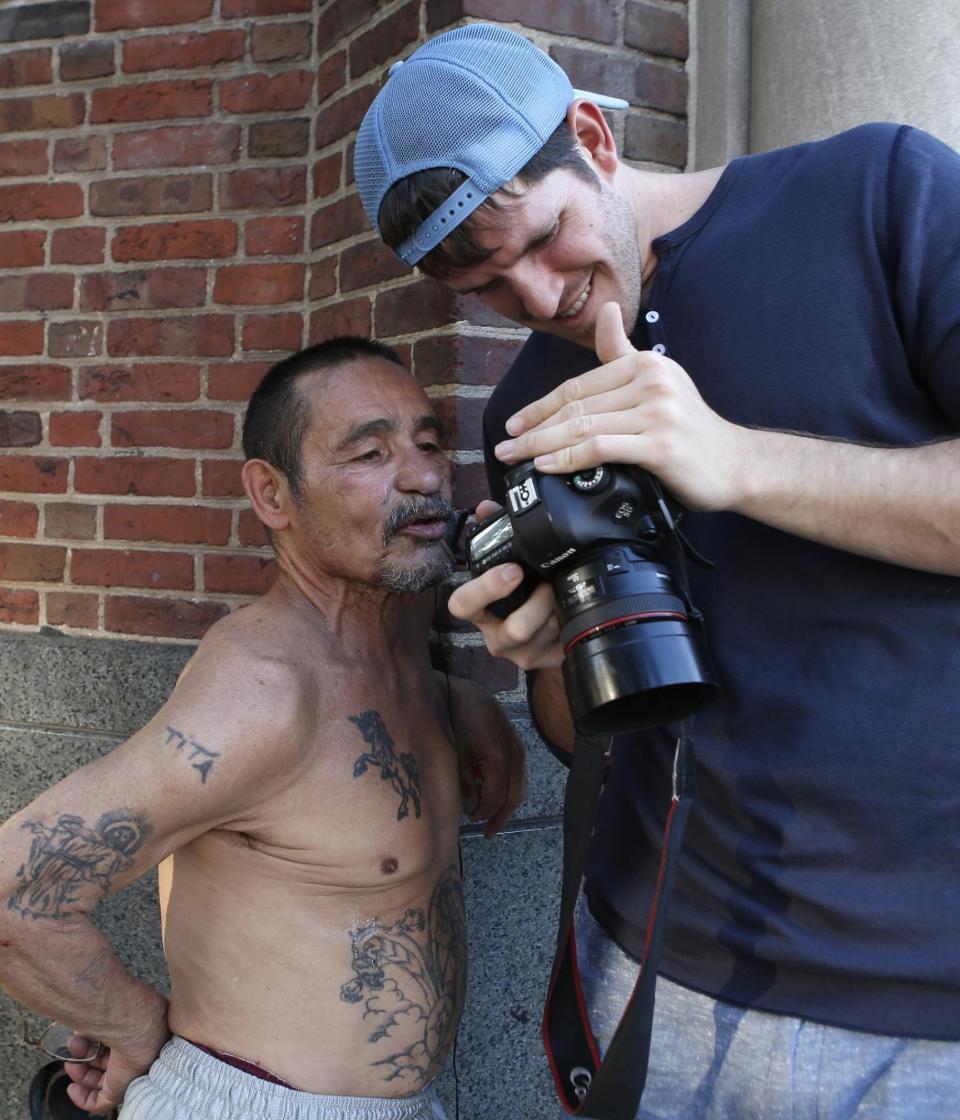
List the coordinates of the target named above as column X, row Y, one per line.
column 924, row 234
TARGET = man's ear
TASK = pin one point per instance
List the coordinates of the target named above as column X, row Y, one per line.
column 589, row 126
column 268, row 492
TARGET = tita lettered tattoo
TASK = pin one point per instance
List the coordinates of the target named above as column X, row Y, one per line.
column 411, row 975
column 401, row 772
column 182, row 742
column 65, row 857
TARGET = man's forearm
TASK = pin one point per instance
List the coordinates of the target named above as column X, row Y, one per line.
column 67, row 970
column 900, row 505
column 548, row 703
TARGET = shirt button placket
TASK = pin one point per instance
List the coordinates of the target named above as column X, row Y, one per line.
column 655, row 331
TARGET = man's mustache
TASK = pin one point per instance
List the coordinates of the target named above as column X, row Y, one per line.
column 422, row 507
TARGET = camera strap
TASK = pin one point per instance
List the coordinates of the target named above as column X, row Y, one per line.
column 607, row 1089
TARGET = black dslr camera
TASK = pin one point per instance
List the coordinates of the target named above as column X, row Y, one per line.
column 607, row 540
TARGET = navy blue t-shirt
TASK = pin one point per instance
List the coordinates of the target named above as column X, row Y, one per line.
column 818, row 291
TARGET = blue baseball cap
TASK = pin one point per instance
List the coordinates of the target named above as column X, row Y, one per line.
column 480, row 99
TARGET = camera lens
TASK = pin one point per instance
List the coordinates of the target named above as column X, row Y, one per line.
column 632, row 656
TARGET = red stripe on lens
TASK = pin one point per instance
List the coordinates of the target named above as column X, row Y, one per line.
column 619, row 622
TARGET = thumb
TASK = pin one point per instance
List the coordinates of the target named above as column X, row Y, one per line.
column 610, row 339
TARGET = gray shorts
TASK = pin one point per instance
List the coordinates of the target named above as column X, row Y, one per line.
column 185, row 1083
column 711, row 1060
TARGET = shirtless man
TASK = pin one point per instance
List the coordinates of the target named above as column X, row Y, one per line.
column 303, row 786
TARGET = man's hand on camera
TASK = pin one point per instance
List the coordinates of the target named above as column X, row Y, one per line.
column 639, row 407
column 529, row 635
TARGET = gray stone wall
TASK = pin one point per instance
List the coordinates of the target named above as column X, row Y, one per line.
column 63, row 701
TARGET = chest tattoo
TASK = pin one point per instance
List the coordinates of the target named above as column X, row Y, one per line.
column 399, row 770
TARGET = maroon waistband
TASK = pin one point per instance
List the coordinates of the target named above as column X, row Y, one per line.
column 242, row 1064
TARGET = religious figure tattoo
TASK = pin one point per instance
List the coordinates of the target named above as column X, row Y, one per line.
column 401, row 772
column 196, row 751
column 411, row 977
column 69, row 855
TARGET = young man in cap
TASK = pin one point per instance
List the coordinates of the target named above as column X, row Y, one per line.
column 779, row 342
column 303, row 785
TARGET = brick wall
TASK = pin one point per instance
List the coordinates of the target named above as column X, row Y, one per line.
column 176, row 212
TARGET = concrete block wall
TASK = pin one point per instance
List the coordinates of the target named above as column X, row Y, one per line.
column 177, row 212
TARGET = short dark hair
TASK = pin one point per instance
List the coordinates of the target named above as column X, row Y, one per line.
column 278, row 416
column 412, row 200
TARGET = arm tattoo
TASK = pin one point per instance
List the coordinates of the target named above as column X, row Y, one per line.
column 180, row 741
column 413, row 972
column 401, row 773
column 68, row 855
column 95, row 974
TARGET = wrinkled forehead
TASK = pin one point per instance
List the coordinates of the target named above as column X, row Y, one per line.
column 366, row 395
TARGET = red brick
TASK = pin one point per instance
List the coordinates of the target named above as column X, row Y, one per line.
column 109, row 567
column 144, row 289
column 35, row 383
column 23, row 157
column 234, row 381
column 251, row 530
column 18, row 519
column 79, row 339
column 261, row 93
column 419, row 306
column 653, row 85
column 259, row 283
column 323, row 278
column 75, row 429
column 351, row 316
column 263, row 188
column 326, row 175
column 276, row 42
column 20, row 608
column 188, row 50
column 655, row 140
column 19, row 428
column 272, row 332
column 77, row 245
column 80, row 62
column 24, row 114
column 166, row 428
column 25, row 68
column 277, row 139
column 336, row 221
column 469, row 360
column 32, row 202
column 471, row 486
column 36, row 291
column 69, row 521
column 234, row 9
column 80, row 153
column 113, row 15
column 151, row 381
column 368, row 263
column 131, row 474
column 343, row 115
column 171, row 524
column 392, row 35
column 274, row 236
column 343, row 16
column 174, row 194
column 185, row 336
column 160, row 618
column 331, row 75
column 656, row 30
column 152, row 101
column 72, row 609
column 177, row 147
column 33, row 474
column 586, row 19
column 240, row 574
column 461, row 419
column 221, row 478
column 23, row 249
column 175, row 241
column 32, row 563
column 19, row 337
